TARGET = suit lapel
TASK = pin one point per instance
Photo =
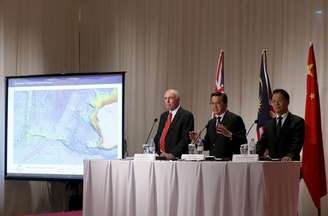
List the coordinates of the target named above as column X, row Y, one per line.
column 226, row 118
column 212, row 129
column 285, row 126
column 163, row 120
column 210, row 123
column 176, row 118
column 273, row 126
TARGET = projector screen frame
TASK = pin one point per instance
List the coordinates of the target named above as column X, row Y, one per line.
column 55, row 177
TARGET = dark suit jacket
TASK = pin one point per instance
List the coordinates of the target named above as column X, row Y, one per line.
column 177, row 138
column 221, row 146
column 290, row 141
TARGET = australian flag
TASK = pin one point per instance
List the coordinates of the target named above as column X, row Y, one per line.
column 265, row 95
column 219, row 77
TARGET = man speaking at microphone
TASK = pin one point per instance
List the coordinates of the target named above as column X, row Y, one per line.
column 225, row 132
column 172, row 138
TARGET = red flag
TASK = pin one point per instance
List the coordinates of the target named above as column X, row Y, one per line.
column 313, row 163
column 219, row 77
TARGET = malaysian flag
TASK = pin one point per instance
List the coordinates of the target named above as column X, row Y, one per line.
column 219, row 77
column 265, row 95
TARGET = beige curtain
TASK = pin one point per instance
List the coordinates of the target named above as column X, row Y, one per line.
column 1, row 108
column 166, row 44
column 38, row 36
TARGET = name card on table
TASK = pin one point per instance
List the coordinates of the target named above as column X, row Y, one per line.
column 245, row 157
column 193, row 157
column 144, row 157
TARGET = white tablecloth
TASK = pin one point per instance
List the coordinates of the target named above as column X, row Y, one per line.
column 121, row 187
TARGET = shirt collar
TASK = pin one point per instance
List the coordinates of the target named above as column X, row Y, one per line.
column 174, row 111
column 284, row 116
column 221, row 116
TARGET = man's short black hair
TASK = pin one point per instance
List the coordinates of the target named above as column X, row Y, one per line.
column 282, row 92
column 220, row 94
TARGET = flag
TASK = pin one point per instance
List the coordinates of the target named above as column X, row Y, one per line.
column 313, row 163
column 219, row 77
column 265, row 95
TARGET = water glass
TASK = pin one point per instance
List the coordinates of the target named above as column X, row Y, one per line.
column 191, row 148
column 244, row 149
column 146, row 148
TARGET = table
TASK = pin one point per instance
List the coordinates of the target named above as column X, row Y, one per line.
column 125, row 187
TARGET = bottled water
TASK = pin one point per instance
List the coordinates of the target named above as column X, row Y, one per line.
column 151, row 146
column 200, row 146
column 145, row 148
column 252, row 146
column 191, row 148
column 243, row 149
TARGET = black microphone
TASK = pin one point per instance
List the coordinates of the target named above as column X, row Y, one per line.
column 200, row 133
column 151, row 130
column 255, row 122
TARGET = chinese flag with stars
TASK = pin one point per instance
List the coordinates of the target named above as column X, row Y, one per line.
column 313, row 163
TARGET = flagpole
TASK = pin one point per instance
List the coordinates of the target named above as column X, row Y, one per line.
column 264, row 97
column 219, row 75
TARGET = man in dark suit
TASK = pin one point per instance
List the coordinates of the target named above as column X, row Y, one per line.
column 283, row 136
column 225, row 132
column 172, row 138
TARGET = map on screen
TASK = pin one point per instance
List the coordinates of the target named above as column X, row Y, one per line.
column 53, row 125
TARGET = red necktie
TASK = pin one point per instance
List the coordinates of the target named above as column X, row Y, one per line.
column 164, row 132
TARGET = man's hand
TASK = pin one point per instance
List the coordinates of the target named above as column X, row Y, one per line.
column 168, row 156
column 193, row 135
column 221, row 129
column 286, row 158
column 266, row 153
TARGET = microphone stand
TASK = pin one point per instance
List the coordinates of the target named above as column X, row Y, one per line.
column 249, row 130
column 200, row 133
column 151, row 130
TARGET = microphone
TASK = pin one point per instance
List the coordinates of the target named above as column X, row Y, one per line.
column 151, row 130
column 200, row 133
column 249, row 130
